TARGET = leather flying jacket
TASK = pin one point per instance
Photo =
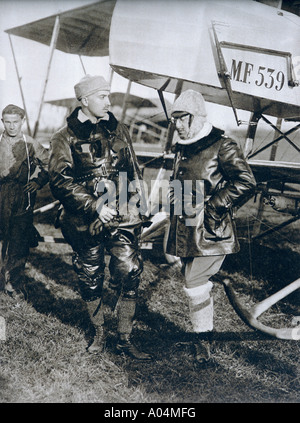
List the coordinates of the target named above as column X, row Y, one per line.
column 227, row 182
column 82, row 155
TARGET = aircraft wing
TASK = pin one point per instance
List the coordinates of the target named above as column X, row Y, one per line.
column 237, row 54
column 69, row 103
column 261, row 78
column 83, row 31
column 263, row 170
column 116, row 99
column 271, row 171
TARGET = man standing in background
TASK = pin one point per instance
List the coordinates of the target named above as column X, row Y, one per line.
column 23, row 171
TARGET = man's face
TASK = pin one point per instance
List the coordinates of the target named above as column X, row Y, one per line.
column 187, row 125
column 12, row 124
column 98, row 103
column 182, row 124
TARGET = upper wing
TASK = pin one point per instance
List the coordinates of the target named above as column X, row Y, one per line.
column 83, row 31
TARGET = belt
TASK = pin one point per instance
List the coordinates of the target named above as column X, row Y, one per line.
column 101, row 172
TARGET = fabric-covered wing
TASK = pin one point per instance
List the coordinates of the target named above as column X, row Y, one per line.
column 83, row 31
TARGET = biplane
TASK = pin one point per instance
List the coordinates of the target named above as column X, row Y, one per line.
column 241, row 55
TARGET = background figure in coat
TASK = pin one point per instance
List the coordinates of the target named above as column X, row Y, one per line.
column 91, row 166
column 202, row 230
column 23, row 171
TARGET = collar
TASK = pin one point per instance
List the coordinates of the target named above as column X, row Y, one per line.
column 83, row 127
column 12, row 139
column 82, row 117
column 200, row 144
column 206, row 129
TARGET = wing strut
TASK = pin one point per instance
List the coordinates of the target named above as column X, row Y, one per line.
column 82, row 64
column 251, row 134
column 125, row 102
column 161, row 97
column 55, row 33
column 274, row 147
column 225, row 75
column 20, row 84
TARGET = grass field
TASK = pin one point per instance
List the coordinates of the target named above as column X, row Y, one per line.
column 43, row 359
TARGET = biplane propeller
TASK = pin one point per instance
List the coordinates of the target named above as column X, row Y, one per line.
column 242, row 55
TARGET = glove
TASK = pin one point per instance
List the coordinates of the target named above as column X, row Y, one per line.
column 213, row 222
column 96, row 227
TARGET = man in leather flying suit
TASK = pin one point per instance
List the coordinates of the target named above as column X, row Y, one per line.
column 91, row 163
column 204, row 232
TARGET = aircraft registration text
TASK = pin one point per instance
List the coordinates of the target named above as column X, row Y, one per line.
column 260, row 73
column 263, row 76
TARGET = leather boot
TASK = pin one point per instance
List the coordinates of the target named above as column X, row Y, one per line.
column 95, row 310
column 202, row 347
column 15, row 289
column 126, row 314
column 125, row 346
column 110, row 296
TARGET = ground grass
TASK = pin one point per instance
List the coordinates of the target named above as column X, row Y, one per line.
column 44, row 358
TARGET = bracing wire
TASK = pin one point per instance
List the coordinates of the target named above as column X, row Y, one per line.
column 283, row 152
column 268, row 226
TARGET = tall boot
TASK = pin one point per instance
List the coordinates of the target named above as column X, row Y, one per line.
column 95, row 310
column 126, row 314
column 110, row 296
